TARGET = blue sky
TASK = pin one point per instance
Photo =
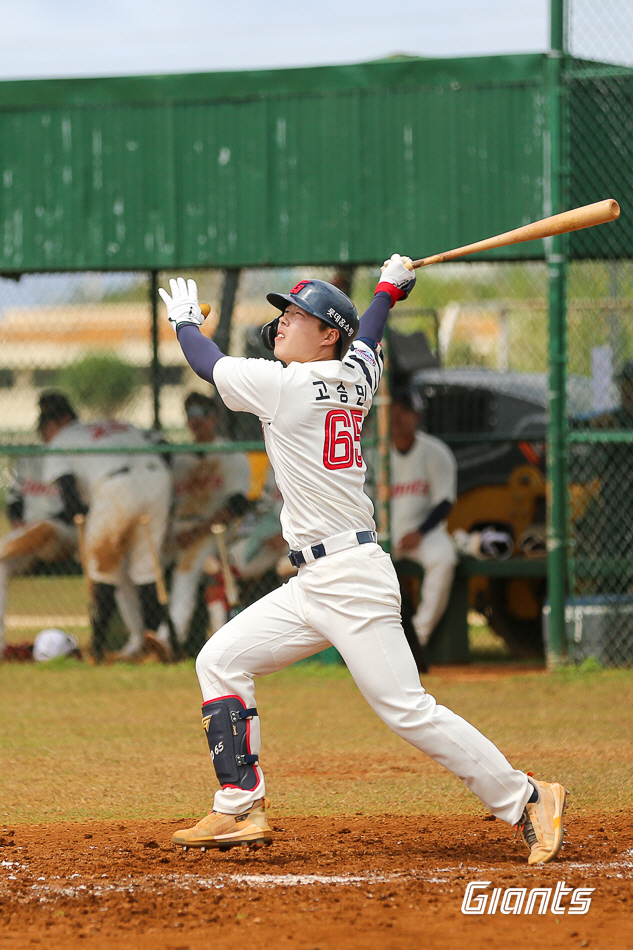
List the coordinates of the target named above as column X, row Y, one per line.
column 52, row 38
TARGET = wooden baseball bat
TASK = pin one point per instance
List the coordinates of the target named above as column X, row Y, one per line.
column 232, row 593
column 206, row 309
column 80, row 522
column 584, row 217
column 161, row 589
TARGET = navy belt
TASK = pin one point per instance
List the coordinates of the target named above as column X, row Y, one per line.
column 119, row 471
column 318, row 550
column 126, row 469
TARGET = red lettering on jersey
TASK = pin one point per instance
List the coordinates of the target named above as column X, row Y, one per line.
column 342, row 438
column 418, row 487
column 30, row 487
column 103, row 429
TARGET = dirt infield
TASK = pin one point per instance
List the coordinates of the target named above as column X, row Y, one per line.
column 325, row 884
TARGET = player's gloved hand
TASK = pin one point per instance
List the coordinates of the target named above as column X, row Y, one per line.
column 182, row 306
column 396, row 278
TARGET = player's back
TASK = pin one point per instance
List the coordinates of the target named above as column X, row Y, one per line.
column 91, row 468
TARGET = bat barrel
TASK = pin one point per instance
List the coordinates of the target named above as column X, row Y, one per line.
column 587, row 216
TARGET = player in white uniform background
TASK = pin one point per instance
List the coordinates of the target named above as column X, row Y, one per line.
column 423, row 491
column 41, row 529
column 115, row 489
column 209, row 488
column 312, row 405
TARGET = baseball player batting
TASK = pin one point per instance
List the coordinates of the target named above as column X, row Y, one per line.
column 312, row 404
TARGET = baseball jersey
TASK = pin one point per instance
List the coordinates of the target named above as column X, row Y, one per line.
column 312, row 416
column 40, row 500
column 420, row 479
column 89, row 469
column 204, row 483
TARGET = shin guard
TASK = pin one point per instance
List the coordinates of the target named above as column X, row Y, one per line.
column 226, row 722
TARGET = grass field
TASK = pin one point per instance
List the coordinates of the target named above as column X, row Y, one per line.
column 122, row 742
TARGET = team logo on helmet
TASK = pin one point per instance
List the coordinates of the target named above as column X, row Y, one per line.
column 321, row 300
column 299, row 287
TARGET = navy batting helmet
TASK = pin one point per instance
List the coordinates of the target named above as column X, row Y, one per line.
column 321, row 300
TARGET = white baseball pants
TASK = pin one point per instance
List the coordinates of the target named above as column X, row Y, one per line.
column 116, row 544
column 351, row 600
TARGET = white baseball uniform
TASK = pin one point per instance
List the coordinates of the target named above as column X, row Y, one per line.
column 202, row 486
column 420, row 479
column 118, row 488
column 312, row 415
column 42, row 536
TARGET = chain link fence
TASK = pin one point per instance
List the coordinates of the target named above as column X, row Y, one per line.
column 599, row 92
column 472, row 339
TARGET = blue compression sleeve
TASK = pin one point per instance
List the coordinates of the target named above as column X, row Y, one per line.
column 374, row 320
column 201, row 354
column 439, row 513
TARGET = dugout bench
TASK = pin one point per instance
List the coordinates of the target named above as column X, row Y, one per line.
column 449, row 642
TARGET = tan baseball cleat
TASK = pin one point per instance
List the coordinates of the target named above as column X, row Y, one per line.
column 541, row 823
column 248, row 830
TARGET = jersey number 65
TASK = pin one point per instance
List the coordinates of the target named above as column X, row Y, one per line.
column 342, row 438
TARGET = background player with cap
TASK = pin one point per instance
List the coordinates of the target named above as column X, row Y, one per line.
column 209, row 488
column 423, row 491
column 115, row 489
column 312, row 404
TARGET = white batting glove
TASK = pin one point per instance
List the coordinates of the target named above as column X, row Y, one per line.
column 396, row 278
column 182, row 306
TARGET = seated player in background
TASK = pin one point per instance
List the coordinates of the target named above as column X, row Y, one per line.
column 42, row 527
column 209, row 488
column 114, row 490
column 423, row 491
column 312, row 404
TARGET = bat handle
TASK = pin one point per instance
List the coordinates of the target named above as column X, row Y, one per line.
column 80, row 522
column 232, row 594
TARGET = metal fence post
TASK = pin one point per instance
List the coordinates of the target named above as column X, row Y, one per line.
column 222, row 335
column 557, row 528
column 155, row 367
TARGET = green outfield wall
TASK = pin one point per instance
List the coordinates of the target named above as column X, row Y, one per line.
column 318, row 165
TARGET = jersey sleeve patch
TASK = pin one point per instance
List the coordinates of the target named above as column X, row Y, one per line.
column 371, row 362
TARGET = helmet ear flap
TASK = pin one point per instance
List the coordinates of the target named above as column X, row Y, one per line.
column 269, row 332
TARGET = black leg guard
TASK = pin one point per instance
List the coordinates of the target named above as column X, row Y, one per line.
column 103, row 609
column 226, row 722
